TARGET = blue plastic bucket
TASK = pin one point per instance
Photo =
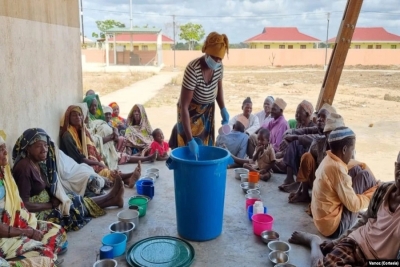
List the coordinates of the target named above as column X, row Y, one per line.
column 199, row 191
column 145, row 187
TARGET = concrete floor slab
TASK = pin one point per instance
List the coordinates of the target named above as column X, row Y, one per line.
column 236, row 246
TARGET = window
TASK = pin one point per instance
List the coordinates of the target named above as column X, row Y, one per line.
column 370, row 46
column 281, row 46
column 393, row 46
column 267, row 47
column 357, row 46
column 303, row 46
column 290, row 46
column 145, row 47
column 378, row 46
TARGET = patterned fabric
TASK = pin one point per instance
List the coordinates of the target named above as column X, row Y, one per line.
column 138, row 136
column 16, row 215
column 117, row 121
column 202, row 123
column 71, row 214
column 99, row 111
column 344, row 253
column 340, row 134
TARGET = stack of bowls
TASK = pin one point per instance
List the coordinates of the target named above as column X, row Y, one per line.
column 239, row 171
column 125, row 228
column 154, row 171
column 279, row 252
column 246, row 186
column 129, row 216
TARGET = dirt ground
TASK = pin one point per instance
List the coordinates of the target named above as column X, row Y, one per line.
column 360, row 99
column 104, row 83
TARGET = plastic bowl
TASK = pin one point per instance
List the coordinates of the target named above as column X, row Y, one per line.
column 239, row 171
column 130, row 215
column 279, row 246
column 251, row 201
column 141, row 202
column 250, row 211
column 106, row 263
column 262, row 222
column 117, row 241
column 278, row 257
column 149, row 176
column 269, row 236
column 125, row 228
column 154, row 171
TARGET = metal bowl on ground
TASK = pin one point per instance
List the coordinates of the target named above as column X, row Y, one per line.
column 125, row 228
column 284, row 265
column 278, row 257
column 106, row 263
column 279, row 246
column 239, row 171
column 254, row 191
column 155, row 171
column 130, row 215
column 246, row 186
column 268, row 236
column 244, row 177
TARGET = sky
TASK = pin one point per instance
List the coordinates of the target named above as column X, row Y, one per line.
column 241, row 19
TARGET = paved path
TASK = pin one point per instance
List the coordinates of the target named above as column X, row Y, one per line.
column 139, row 92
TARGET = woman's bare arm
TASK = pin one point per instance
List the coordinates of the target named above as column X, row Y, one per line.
column 185, row 99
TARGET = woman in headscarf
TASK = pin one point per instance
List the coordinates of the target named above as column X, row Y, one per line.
column 77, row 142
column 139, row 132
column 116, row 120
column 201, row 86
column 21, row 233
column 38, row 170
column 95, row 108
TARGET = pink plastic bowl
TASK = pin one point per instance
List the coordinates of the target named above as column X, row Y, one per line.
column 262, row 222
column 251, row 201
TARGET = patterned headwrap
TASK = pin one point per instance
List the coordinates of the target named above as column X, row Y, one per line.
column 99, row 112
column 308, row 107
column 340, row 134
column 216, row 45
column 49, row 166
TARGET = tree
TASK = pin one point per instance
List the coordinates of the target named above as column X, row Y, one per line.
column 105, row 25
column 191, row 33
column 95, row 35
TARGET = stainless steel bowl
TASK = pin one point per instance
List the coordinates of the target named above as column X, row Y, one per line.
column 279, row 246
column 284, row 265
column 130, row 215
column 246, row 186
column 239, row 171
column 125, row 228
column 278, row 257
column 268, row 236
column 254, row 191
column 106, row 263
column 244, row 177
column 155, row 171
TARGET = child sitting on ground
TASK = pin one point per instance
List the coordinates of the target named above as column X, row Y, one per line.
column 263, row 158
column 159, row 145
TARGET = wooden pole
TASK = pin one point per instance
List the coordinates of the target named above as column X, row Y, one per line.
column 339, row 53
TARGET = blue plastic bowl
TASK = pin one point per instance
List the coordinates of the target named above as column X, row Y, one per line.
column 250, row 211
column 117, row 241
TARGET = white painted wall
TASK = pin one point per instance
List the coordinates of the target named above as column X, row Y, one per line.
column 40, row 72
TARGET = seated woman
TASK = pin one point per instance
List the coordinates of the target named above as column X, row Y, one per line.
column 138, row 134
column 21, row 234
column 77, row 143
column 119, row 141
column 263, row 159
column 116, row 120
column 37, row 172
column 252, row 126
column 159, row 146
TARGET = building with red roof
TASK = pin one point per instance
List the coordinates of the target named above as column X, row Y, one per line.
column 372, row 38
column 282, row 38
column 141, row 41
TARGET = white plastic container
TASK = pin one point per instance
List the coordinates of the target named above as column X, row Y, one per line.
column 258, row 207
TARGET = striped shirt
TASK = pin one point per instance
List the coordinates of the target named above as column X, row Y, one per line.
column 193, row 80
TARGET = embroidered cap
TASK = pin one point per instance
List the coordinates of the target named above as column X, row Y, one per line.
column 333, row 121
column 280, row 103
column 340, row 134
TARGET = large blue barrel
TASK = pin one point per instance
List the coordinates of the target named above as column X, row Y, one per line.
column 199, row 191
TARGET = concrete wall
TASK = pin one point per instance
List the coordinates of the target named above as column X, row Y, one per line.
column 373, row 45
column 40, row 64
column 285, row 45
column 263, row 57
column 142, row 46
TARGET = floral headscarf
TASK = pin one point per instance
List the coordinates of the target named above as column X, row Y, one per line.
column 139, row 136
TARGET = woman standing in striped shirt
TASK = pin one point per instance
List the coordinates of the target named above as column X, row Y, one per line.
column 201, row 86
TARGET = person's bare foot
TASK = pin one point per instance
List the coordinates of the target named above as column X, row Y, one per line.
column 265, row 177
column 135, row 175
column 303, row 238
column 290, row 188
column 296, row 197
column 116, row 194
